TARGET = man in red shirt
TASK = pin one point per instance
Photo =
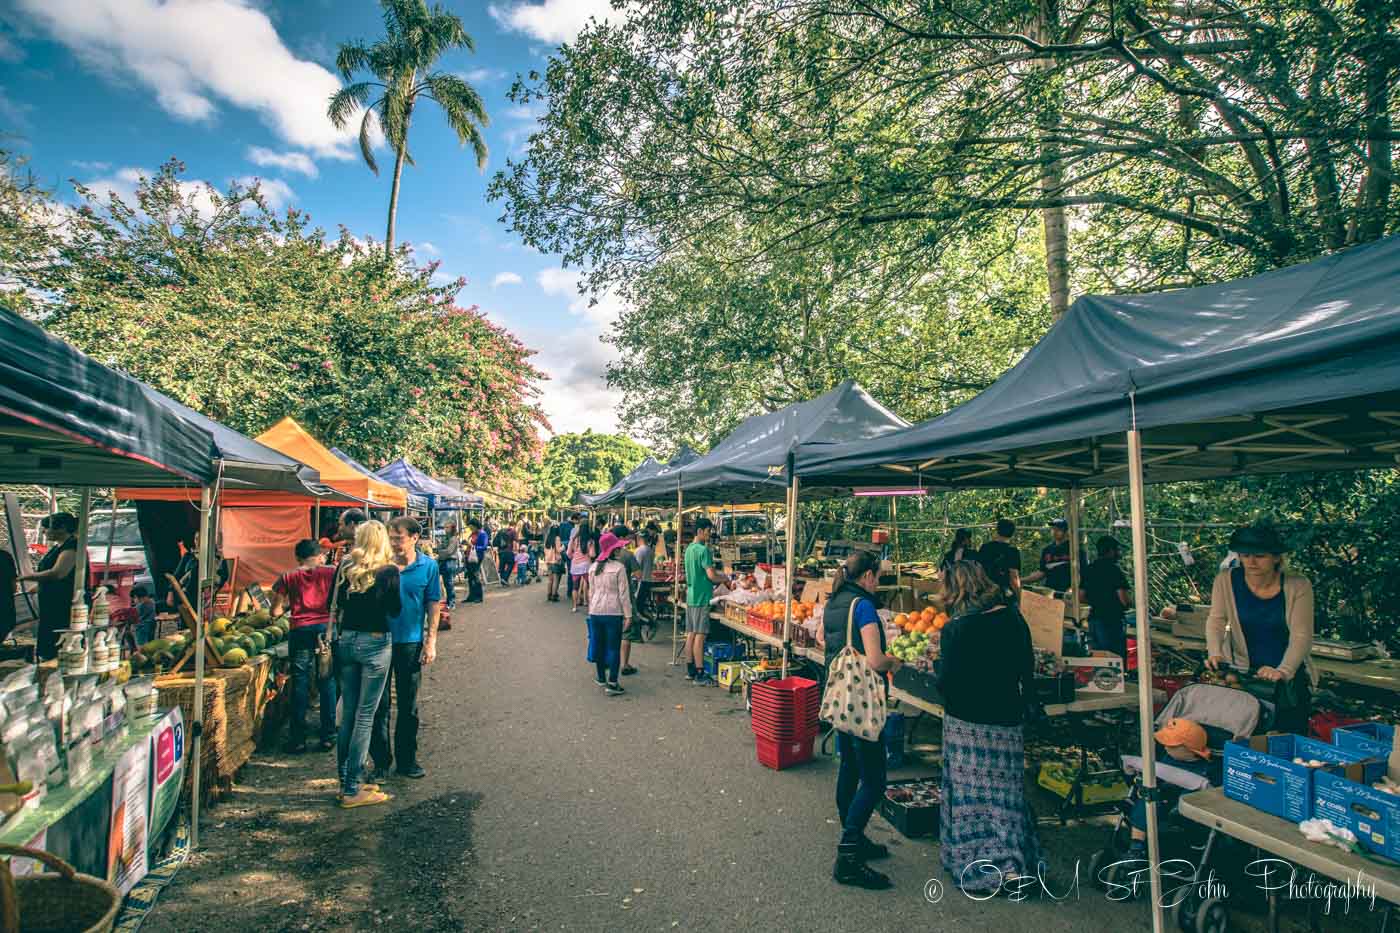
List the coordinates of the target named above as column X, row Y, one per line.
column 307, row 590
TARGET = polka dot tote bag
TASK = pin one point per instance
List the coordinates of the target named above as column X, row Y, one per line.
column 854, row 701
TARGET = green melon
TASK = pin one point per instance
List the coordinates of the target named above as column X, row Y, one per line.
column 259, row 641
column 236, row 658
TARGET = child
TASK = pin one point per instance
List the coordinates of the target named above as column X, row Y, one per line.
column 1185, row 745
column 145, row 604
column 522, row 562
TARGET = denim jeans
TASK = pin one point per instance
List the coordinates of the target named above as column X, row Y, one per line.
column 405, row 675
column 859, row 784
column 521, row 572
column 1109, row 635
column 364, row 668
column 301, row 642
column 449, row 582
column 605, row 645
column 473, row 574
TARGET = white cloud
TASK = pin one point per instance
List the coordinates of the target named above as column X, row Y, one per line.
column 91, row 166
column 286, row 161
column 122, row 183
column 14, row 114
column 506, row 278
column 552, row 21
column 9, row 51
column 426, row 247
column 276, row 192
column 577, row 396
column 563, row 282
column 197, row 54
column 483, row 75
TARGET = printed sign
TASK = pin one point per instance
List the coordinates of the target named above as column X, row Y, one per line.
column 258, row 596
column 167, row 757
column 127, row 836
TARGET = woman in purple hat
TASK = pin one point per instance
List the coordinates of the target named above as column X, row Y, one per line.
column 609, row 612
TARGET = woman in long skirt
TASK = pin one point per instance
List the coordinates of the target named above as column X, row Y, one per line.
column 988, row 835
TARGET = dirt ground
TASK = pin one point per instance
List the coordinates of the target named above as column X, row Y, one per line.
column 551, row 806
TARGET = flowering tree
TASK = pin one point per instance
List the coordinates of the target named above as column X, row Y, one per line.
column 248, row 316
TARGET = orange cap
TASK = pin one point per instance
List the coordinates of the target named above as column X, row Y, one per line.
column 1183, row 733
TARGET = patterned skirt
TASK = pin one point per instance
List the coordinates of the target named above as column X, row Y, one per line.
column 988, row 833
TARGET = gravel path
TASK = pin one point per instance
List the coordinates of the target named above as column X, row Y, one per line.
column 549, row 805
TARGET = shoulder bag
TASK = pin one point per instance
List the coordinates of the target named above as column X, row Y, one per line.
column 854, row 699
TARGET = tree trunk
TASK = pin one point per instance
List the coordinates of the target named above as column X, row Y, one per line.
column 394, row 202
column 1052, row 177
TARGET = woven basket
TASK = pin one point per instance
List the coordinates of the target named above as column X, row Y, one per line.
column 65, row 902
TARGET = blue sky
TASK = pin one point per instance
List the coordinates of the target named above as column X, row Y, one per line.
column 102, row 90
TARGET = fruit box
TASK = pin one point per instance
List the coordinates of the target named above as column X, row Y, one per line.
column 1097, row 675
column 1263, row 774
column 918, row 815
column 1367, row 738
column 729, row 674
column 1373, row 815
column 1098, row 787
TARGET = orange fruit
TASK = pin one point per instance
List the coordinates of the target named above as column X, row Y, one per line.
column 901, row 620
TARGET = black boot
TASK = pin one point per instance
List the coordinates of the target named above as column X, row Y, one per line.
column 870, row 851
column 851, row 869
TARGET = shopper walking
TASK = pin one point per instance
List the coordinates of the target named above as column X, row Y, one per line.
column 633, row 633
column 860, row 783
column 582, row 550
column 646, row 563
column 505, row 553
column 700, row 577
column 449, row 562
column 569, row 531
column 307, row 592
column 609, row 612
column 474, row 554
column 988, row 836
column 554, row 540
column 414, row 629
column 522, row 563
column 366, row 598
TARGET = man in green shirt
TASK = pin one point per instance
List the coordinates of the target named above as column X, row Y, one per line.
column 701, row 577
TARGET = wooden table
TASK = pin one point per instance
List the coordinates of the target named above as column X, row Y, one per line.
column 1379, row 674
column 1278, row 837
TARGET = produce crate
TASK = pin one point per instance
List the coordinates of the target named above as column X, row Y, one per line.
column 1264, row 775
column 733, row 612
column 1373, row 815
column 1368, row 738
column 917, row 815
column 785, row 754
column 1057, row 689
column 1098, row 787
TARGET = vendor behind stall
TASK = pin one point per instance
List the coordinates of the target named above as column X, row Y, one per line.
column 55, row 576
column 1054, row 559
column 1105, row 589
column 1261, row 618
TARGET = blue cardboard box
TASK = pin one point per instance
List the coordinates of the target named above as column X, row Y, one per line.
column 1372, row 814
column 1263, row 774
column 724, row 651
column 1368, row 738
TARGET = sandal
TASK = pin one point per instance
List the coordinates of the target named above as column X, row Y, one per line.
column 364, row 799
column 370, row 788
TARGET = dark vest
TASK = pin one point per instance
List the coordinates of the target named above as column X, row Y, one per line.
column 834, row 618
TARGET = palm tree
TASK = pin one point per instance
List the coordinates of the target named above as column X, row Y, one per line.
column 402, row 62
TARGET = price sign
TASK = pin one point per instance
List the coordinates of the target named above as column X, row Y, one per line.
column 260, row 598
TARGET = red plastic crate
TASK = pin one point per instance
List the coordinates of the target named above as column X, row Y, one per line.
column 787, row 690
column 1324, row 721
column 785, row 754
column 792, row 735
column 778, row 727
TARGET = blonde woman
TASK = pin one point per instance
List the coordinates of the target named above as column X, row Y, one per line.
column 367, row 597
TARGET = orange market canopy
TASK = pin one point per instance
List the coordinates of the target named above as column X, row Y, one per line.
column 292, row 439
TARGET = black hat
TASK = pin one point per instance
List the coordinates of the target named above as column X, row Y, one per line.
column 1257, row 539
column 1059, row 523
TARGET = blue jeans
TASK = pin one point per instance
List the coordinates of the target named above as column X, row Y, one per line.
column 1109, row 635
column 449, row 582
column 364, row 669
column 605, row 645
column 301, row 642
column 859, row 784
column 521, row 572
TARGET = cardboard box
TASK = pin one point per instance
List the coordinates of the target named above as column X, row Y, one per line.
column 1372, row 814
column 1263, row 774
column 814, row 590
column 1368, row 738
column 1096, row 675
column 730, row 674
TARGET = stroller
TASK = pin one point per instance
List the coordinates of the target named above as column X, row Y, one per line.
column 1227, row 714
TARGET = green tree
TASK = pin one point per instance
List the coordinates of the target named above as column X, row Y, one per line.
column 402, row 64
column 248, row 316
column 574, row 464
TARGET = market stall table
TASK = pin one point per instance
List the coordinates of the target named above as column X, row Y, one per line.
column 1382, row 674
column 810, row 652
column 1281, row 838
column 1086, row 704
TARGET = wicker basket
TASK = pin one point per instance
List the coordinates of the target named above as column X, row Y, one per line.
column 65, row 902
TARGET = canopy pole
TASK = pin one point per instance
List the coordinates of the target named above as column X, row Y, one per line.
column 677, row 569
column 894, row 535
column 80, row 555
column 789, row 560
column 316, row 522
column 1073, row 501
column 1144, row 653
column 206, row 562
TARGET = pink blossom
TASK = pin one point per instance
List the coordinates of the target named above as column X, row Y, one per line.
column 294, row 367
column 327, row 365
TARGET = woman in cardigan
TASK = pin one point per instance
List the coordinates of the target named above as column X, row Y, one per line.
column 1262, row 618
column 988, row 836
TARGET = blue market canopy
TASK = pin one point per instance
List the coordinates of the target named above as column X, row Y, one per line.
column 438, row 494
column 1290, row 371
column 65, row 419
column 750, row 465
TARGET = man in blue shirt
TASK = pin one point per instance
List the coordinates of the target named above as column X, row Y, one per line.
column 414, row 631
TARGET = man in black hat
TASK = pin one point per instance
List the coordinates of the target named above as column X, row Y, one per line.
column 1054, row 559
column 1105, row 588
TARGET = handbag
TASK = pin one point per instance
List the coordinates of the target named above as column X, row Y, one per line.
column 325, row 659
column 854, row 699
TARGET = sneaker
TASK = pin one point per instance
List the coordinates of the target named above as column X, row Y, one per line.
column 613, row 690
column 705, row 680
column 599, row 682
column 377, row 776
column 416, row 771
column 690, row 676
column 575, row 609
column 628, row 671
